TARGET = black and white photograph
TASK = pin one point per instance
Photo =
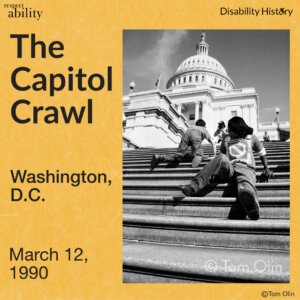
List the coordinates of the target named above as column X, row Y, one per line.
column 206, row 156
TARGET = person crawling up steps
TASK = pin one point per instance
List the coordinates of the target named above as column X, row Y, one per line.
column 236, row 160
column 193, row 137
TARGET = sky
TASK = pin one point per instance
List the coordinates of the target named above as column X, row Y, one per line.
column 252, row 58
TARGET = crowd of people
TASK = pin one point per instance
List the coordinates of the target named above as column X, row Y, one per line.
column 235, row 160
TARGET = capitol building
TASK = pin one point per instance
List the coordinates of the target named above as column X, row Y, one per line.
column 200, row 88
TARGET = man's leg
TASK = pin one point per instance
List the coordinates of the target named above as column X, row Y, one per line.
column 172, row 158
column 197, row 153
column 158, row 158
column 182, row 148
column 220, row 165
column 247, row 192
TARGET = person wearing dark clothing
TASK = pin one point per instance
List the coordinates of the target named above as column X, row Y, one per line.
column 193, row 138
column 220, row 132
column 236, row 160
column 266, row 137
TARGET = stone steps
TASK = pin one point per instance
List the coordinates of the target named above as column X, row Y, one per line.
column 169, row 170
column 210, row 207
column 147, row 158
column 158, row 263
column 278, row 177
column 206, row 150
column 171, row 188
column 277, row 153
column 142, row 164
column 215, row 232
column 268, row 146
column 169, row 237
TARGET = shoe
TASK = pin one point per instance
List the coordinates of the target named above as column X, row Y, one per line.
column 250, row 204
column 187, row 190
column 215, row 179
column 196, row 161
column 156, row 160
column 253, row 215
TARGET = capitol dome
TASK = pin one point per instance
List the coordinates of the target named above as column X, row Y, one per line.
column 201, row 69
column 201, row 62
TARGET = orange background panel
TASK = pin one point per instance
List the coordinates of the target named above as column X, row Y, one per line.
column 90, row 216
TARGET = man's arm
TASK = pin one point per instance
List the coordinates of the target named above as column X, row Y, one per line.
column 261, row 151
column 264, row 161
column 217, row 132
column 210, row 140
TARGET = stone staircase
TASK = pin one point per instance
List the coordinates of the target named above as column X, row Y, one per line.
column 172, row 238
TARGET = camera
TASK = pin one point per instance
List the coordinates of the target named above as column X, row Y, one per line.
column 221, row 125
